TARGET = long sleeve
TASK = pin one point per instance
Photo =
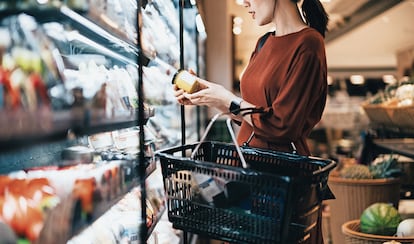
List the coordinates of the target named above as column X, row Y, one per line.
column 287, row 78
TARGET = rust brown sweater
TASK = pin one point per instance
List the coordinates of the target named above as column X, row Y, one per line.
column 288, row 79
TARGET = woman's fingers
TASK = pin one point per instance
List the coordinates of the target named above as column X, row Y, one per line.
column 179, row 96
column 204, row 84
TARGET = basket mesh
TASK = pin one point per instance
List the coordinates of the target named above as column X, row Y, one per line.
column 279, row 208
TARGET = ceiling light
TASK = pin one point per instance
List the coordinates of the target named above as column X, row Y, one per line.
column 329, row 80
column 237, row 20
column 389, row 79
column 237, row 30
column 357, row 79
column 239, row 2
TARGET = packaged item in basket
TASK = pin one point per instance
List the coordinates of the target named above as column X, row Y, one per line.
column 206, row 186
column 222, row 193
column 238, row 194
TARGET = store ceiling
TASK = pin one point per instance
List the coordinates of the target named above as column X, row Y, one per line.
column 364, row 35
column 369, row 33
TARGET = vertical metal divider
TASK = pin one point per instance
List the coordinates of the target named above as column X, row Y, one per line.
column 181, row 17
column 198, row 109
column 141, row 164
column 182, row 66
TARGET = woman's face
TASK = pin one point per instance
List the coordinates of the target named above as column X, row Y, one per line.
column 261, row 10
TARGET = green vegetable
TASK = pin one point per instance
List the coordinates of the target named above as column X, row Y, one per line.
column 356, row 171
column 388, row 168
column 380, row 219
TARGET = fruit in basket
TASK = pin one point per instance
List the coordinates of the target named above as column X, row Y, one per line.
column 380, row 219
column 356, row 171
column 406, row 228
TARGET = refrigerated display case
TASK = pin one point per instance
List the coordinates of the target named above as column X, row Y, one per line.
column 84, row 103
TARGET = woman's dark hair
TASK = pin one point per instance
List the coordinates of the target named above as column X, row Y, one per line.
column 315, row 15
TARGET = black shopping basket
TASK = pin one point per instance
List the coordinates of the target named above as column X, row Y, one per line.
column 275, row 199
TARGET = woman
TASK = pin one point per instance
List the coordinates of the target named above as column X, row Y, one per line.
column 285, row 79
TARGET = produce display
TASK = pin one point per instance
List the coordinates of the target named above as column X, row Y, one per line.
column 123, row 218
column 383, row 219
column 387, row 168
column 27, row 69
column 394, row 107
column 406, row 228
column 380, row 219
column 27, row 198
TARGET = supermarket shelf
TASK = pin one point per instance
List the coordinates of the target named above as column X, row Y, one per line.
column 72, row 221
column 401, row 146
column 80, row 21
column 24, row 128
column 404, row 146
column 121, row 203
column 95, row 121
column 105, row 206
column 156, row 220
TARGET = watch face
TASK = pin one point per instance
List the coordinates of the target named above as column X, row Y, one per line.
column 235, row 107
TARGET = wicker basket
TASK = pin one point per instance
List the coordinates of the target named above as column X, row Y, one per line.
column 378, row 114
column 390, row 114
column 354, row 236
column 353, row 196
column 401, row 116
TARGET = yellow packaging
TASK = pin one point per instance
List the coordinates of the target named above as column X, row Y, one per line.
column 186, row 81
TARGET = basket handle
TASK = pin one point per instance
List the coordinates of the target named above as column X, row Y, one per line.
column 233, row 137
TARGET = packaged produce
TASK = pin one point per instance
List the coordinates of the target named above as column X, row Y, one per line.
column 186, row 81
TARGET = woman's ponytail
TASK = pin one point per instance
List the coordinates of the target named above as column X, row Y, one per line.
column 315, row 15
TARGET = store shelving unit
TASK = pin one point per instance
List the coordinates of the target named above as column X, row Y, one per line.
column 35, row 139
column 382, row 139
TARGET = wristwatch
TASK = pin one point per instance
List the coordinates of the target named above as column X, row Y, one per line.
column 235, row 106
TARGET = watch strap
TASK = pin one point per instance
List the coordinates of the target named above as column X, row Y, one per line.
column 235, row 106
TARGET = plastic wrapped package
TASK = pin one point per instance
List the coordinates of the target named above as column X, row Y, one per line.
column 32, row 62
column 130, row 18
column 164, row 41
column 169, row 15
column 153, row 80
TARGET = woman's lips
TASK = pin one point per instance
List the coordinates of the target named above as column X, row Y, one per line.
column 252, row 13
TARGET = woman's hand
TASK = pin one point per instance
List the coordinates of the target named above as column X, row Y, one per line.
column 211, row 95
column 179, row 95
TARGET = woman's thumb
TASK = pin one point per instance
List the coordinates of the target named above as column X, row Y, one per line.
column 191, row 71
column 203, row 83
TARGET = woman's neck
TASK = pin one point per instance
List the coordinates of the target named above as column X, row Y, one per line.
column 287, row 18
